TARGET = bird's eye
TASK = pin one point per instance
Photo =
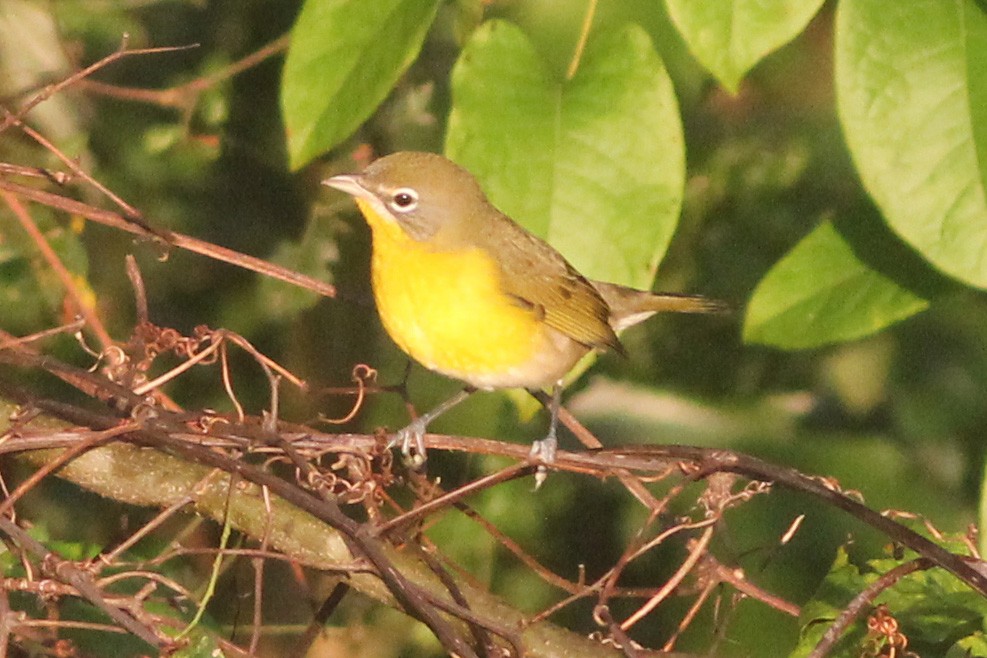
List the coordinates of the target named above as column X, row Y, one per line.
column 404, row 200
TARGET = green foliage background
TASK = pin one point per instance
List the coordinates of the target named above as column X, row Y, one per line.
column 832, row 187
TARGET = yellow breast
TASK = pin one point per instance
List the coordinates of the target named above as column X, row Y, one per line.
column 448, row 312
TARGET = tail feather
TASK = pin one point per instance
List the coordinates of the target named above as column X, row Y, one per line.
column 629, row 306
column 677, row 303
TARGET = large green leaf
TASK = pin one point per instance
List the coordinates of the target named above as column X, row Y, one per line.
column 730, row 36
column 345, row 57
column 911, row 82
column 820, row 293
column 594, row 164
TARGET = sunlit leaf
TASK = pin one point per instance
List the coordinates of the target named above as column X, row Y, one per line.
column 345, row 57
column 973, row 645
column 594, row 164
column 912, row 89
column 820, row 293
column 730, row 36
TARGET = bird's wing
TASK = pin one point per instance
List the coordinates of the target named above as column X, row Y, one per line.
column 540, row 279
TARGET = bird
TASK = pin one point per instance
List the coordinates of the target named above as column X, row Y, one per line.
column 469, row 293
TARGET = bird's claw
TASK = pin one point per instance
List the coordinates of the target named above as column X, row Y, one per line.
column 411, row 435
column 543, row 451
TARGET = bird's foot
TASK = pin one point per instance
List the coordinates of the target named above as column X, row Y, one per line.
column 413, row 434
column 544, row 451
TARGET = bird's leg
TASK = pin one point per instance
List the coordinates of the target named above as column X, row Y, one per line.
column 415, row 430
column 546, row 448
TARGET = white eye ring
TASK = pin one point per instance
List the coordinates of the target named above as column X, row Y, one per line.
column 404, row 199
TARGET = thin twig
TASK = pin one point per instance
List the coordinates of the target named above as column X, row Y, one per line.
column 513, row 547
column 129, row 211
column 7, row 621
column 736, row 579
column 67, row 623
column 480, row 636
column 690, row 615
column 146, row 529
column 10, row 342
column 183, row 97
column 588, row 439
column 115, row 220
column 69, row 573
column 140, row 292
column 447, row 499
column 862, row 601
column 322, row 616
column 258, row 564
column 96, row 440
column 53, row 89
column 93, row 321
column 695, row 553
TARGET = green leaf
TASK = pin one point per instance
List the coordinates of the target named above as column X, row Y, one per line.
column 820, row 293
column 911, row 83
column 594, row 164
column 345, row 57
column 974, row 645
column 730, row 36
column 933, row 608
column 976, row 53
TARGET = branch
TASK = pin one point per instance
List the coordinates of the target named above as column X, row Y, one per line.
column 118, row 221
column 67, row 572
column 150, row 478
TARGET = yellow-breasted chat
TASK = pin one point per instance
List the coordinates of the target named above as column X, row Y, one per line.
column 467, row 292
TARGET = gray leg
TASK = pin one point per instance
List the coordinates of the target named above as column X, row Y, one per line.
column 415, row 430
column 546, row 448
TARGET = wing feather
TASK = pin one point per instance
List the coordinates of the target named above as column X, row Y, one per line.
column 540, row 279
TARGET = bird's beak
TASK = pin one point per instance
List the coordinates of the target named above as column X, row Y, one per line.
column 353, row 185
column 349, row 183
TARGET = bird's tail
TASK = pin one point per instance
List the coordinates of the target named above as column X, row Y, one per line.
column 629, row 306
